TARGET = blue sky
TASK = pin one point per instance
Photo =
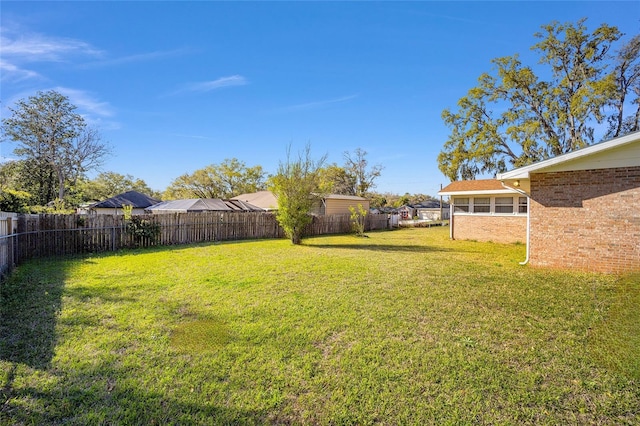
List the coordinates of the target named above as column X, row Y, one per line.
column 176, row 86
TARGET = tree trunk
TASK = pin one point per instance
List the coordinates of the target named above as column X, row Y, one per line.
column 296, row 239
column 60, row 185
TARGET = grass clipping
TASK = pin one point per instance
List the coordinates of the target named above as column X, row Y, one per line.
column 205, row 335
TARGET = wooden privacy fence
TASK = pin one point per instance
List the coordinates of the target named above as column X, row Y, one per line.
column 7, row 242
column 35, row 236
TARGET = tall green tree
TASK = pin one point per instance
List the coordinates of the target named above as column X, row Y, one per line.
column 296, row 185
column 54, row 142
column 230, row 178
column 514, row 117
column 363, row 175
column 627, row 76
column 336, row 180
column 109, row 184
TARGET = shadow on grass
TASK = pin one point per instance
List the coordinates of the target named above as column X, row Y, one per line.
column 96, row 397
column 30, row 301
column 30, row 304
column 381, row 247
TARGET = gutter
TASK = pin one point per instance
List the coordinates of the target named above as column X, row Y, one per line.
column 526, row 260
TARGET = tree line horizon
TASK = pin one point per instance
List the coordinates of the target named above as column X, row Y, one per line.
column 592, row 81
column 56, row 149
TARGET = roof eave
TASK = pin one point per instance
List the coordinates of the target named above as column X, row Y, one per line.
column 524, row 172
column 479, row 192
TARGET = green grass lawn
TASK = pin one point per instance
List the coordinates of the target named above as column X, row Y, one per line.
column 403, row 327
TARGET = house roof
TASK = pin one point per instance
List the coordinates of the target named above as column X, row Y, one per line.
column 263, row 199
column 267, row 201
column 202, row 205
column 431, row 204
column 135, row 199
column 622, row 151
column 344, row 197
column 480, row 186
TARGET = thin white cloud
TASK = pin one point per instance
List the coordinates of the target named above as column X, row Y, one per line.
column 207, row 86
column 140, row 57
column 181, row 135
column 317, row 104
column 24, row 48
column 96, row 113
column 11, row 72
column 41, row 48
column 86, row 102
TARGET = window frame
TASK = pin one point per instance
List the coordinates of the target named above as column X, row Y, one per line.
column 468, row 205
column 508, row 206
column 460, row 205
column 521, row 205
column 482, row 206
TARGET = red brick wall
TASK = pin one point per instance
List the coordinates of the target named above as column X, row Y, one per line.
column 499, row 229
column 587, row 220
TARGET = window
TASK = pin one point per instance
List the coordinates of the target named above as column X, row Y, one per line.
column 482, row 205
column 461, row 205
column 491, row 205
column 504, row 205
column 523, row 204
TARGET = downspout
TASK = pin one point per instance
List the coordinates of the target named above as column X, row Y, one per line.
column 526, row 260
column 451, row 225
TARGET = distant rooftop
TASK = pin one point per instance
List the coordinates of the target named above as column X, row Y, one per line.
column 135, row 199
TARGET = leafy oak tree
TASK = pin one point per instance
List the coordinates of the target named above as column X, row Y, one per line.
column 336, row 180
column 109, row 184
column 514, row 117
column 296, row 185
column 627, row 76
column 54, row 143
column 230, row 178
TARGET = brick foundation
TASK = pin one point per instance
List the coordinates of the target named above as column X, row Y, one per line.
column 587, row 220
column 499, row 229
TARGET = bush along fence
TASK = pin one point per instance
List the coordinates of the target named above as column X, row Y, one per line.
column 25, row 237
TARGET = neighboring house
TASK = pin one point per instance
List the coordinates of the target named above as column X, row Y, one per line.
column 263, row 199
column 113, row 205
column 485, row 210
column 201, row 205
column 584, row 207
column 406, row 212
column 428, row 210
column 329, row 204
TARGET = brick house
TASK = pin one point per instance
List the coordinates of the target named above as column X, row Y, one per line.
column 486, row 210
column 579, row 210
column 584, row 207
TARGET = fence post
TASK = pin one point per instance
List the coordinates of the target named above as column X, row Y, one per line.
column 10, row 237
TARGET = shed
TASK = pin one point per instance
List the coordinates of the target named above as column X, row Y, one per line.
column 339, row 204
column 201, row 205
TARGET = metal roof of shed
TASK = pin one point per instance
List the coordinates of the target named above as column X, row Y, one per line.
column 202, row 205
